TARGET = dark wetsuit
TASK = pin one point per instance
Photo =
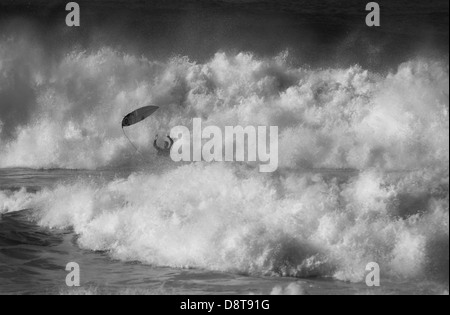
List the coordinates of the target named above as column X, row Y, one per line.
column 165, row 151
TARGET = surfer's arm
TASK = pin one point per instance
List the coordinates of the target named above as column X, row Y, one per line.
column 171, row 141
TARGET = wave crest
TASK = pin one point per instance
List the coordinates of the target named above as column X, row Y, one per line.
column 219, row 218
column 339, row 118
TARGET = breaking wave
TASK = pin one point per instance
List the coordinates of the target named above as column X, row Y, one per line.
column 233, row 219
column 67, row 113
column 393, row 127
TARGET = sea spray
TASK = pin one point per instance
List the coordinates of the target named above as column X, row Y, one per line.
column 333, row 118
column 393, row 127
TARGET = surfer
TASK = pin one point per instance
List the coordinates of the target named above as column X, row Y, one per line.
column 139, row 115
column 167, row 146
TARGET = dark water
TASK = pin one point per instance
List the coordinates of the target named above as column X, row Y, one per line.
column 318, row 33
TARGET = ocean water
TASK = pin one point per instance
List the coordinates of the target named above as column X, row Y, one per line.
column 363, row 117
column 34, row 254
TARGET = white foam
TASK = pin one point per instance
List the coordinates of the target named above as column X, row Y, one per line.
column 291, row 289
column 335, row 118
column 228, row 218
column 220, row 218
